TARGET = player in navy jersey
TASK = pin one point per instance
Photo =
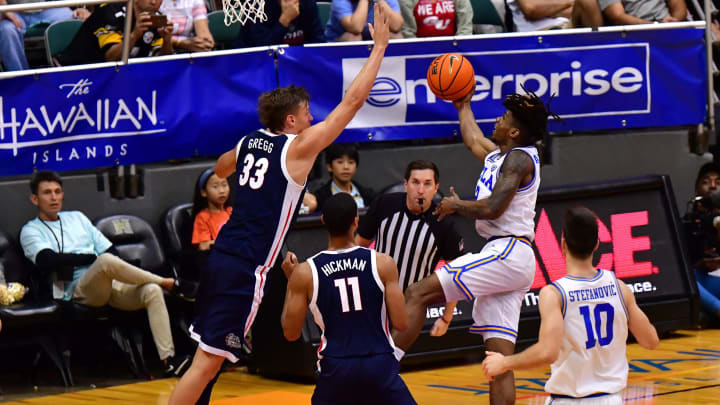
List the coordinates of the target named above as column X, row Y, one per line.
column 350, row 291
column 585, row 318
column 272, row 165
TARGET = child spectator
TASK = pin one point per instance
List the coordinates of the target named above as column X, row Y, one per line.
column 342, row 161
column 211, row 208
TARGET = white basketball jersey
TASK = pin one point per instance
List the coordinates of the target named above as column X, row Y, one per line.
column 519, row 217
column 592, row 358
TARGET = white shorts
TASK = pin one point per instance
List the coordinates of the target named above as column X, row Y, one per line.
column 497, row 278
column 610, row 399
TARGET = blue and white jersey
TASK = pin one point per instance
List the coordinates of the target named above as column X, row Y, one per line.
column 348, row 303
column 592, row 358
column 519, row 217
column 266, row 199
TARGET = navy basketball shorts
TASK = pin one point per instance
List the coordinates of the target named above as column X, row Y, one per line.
column 371, row 380
column 226, row 306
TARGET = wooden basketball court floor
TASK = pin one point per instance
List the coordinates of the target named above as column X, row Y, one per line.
column 684, row 369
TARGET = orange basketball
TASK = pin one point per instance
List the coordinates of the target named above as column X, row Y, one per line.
column 451, row 76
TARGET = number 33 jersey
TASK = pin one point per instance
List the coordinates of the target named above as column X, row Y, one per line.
column 592, row 358
column 348, row 304
column 266, row 199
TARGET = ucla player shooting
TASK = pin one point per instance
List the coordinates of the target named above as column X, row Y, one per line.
column 497, row 277
column 350, row 291
column 272, row 165
column 585, row 317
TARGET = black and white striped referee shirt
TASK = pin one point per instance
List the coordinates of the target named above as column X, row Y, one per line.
column 415, row 242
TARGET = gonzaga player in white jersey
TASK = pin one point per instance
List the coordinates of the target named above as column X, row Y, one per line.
column 585, row 317
column 499, row 276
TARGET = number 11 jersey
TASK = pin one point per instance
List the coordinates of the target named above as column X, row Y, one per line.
column 266, row 200
column 592, row 358
column 348, row 304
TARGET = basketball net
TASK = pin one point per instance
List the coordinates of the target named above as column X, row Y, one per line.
column 244, row 10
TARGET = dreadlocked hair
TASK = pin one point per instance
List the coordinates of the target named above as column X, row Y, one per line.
column 531, row 114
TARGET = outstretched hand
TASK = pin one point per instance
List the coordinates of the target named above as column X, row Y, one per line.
column 288, row 265
column 380, row 28
column 447, row 205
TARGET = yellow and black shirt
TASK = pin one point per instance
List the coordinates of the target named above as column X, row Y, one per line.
column 102, row 30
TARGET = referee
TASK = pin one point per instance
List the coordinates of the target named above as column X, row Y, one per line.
column 406, row 230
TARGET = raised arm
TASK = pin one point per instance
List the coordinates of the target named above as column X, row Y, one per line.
column 394, row 298
column 517, row 168
column 472, row 135
column 547, row 348
column 310, row 142
column 638, row 322
column 296, row 301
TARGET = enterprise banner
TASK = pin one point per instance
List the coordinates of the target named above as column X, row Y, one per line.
column 152, row 111
column 601, row 81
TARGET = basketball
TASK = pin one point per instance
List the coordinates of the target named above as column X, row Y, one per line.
column 451, row 76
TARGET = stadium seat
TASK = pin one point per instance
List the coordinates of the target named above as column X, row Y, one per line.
column 484, row 12
column 324, row 11
column 33, row 320
column 58, row 37
column 136, row 242
column 177, row 226
column 223, row 35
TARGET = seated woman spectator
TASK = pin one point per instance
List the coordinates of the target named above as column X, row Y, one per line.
column 191, row 32
column 435, row 18
column 349, row 20
column 290, row 22
column 342, row 161
column 211, row 208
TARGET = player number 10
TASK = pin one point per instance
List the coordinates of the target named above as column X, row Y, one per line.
column 597, row 314
column 341, row 285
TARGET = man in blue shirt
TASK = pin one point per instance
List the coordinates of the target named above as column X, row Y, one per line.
column 349, row 20
column 67, row 247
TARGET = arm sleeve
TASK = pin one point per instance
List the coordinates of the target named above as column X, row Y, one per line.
column 47, row 259
column 368, row 226
column 463, row 17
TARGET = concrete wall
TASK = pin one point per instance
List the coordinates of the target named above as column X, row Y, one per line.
column 575, row 159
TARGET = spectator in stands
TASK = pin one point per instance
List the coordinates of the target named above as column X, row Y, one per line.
column 211, row 208
column 191, row 32
column 342, row 161
column 82, row 266
column 626, row 12
column 100, row 37
column 705, row 234
column 291, row 22
column 13, row 27
column 349, row 20
column 434, row 18
column 537, row 15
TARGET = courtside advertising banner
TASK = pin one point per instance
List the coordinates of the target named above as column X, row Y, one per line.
column 601, row 80
column 143, row 112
